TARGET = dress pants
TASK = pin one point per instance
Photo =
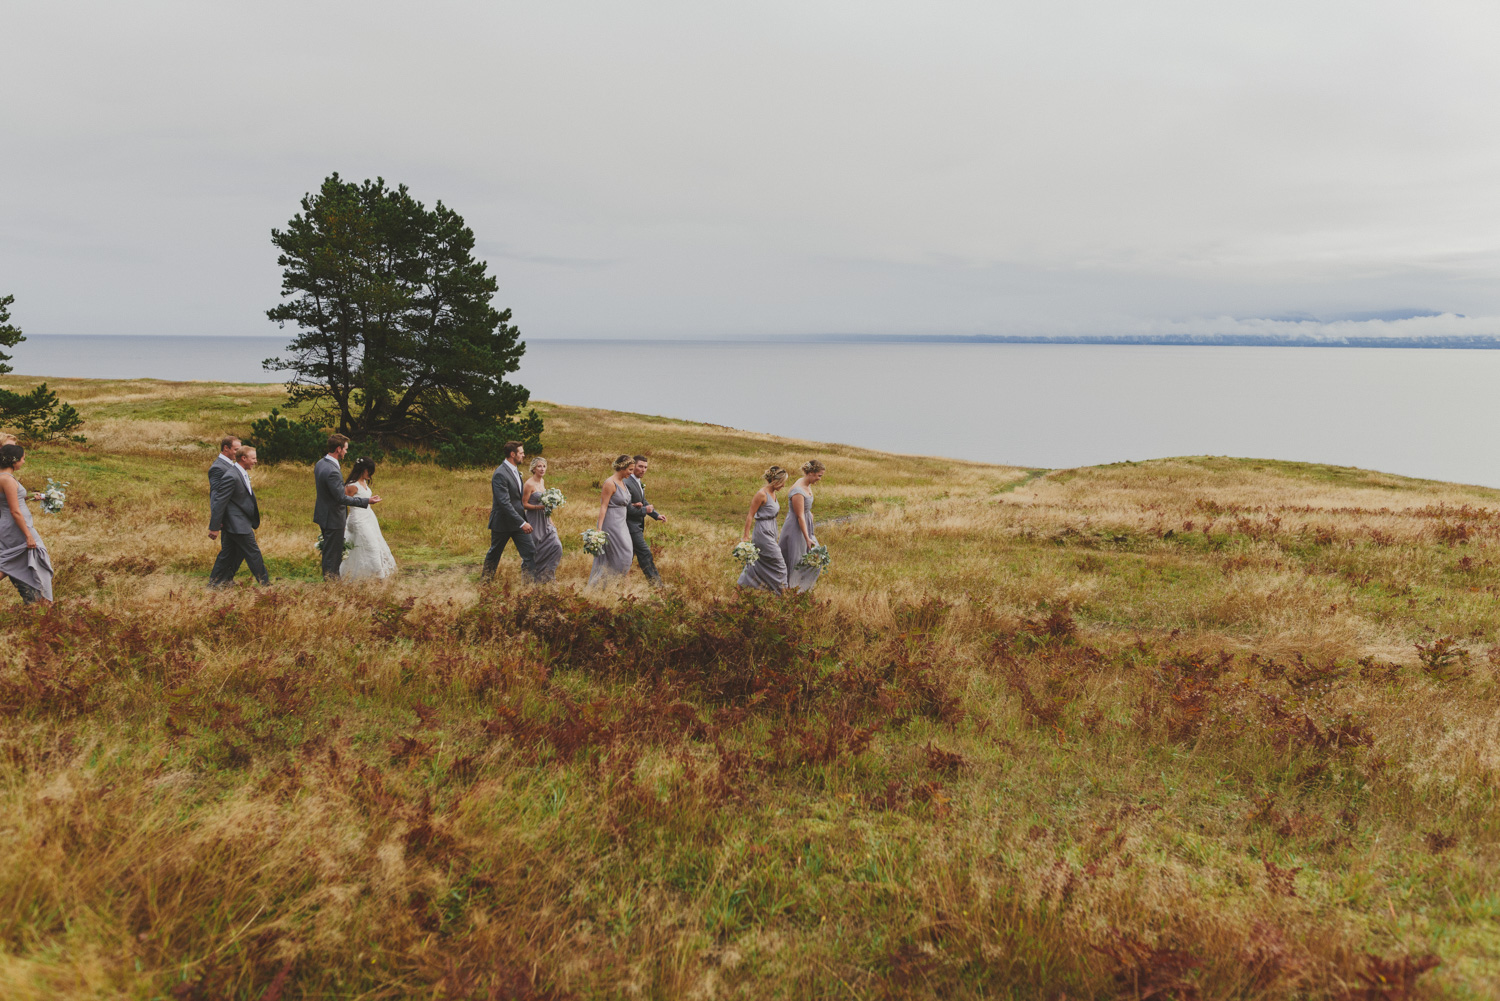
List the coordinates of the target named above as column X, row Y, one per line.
column 242, row 548
column 333, row 552
column 221, row 569
column 524, row 546
column 642, row 550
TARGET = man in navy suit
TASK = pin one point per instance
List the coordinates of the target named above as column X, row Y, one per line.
column 234, row 511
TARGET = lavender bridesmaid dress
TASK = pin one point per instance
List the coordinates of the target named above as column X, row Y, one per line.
column 617, row 555
column 768, row 572
column 794, row 546
column 548, row 546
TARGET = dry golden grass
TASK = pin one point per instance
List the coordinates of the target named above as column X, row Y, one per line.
column 1147, row 730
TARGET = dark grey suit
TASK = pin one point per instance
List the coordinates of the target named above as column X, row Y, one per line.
column 220, row 466
column 330, row 511
column 506, row 518
column 234, row 511
column 635, row 521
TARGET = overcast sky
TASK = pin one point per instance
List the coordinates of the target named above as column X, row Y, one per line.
column 703, row 169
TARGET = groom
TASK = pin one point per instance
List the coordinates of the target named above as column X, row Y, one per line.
column 332, row 506
column 507, row 519
column 635, row 519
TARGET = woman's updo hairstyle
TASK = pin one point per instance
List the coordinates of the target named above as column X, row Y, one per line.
column 360, row 465
column 775, row 474
column 811, row 466
column 10, row 455
column 538, row 461
column 624, row 462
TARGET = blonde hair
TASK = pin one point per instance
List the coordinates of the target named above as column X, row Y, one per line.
column 243, row 451
column 775, row 474
column 624, row 462
column 811, row 466
column 538, row 461
column 9, row 439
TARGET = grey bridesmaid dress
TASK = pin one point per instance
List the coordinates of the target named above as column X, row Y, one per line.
column 794, row 546
column 30, row 570
column 548, row 546
column 615, row 562
column 768, row 572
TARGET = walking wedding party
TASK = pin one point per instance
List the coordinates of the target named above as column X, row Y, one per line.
column 948, row 501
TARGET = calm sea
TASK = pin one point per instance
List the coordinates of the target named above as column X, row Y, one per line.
column 1411, row 411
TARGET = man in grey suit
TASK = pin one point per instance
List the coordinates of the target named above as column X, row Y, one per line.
column 332, row 506
column 234, row 510
column 507, row 519
column 635, row 519
column 222, row 463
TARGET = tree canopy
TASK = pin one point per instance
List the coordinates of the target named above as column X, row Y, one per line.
column 397, row 340
column 10, row 335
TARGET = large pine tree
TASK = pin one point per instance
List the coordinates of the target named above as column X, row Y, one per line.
column 397, row 341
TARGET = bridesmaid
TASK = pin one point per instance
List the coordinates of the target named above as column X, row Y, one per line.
column 768, row 572
column 797, row 535
column 23, row 556
column 543, row 535
column 614, row 501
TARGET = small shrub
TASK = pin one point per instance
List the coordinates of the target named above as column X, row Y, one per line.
column 1443, row 659
column 280, row 439
column 39, row 417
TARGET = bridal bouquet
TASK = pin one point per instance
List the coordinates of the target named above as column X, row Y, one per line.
column 816, row 558
column 595, row 542
column 746, row 553
column 54, row 496
column 318, row 546
column 552, row 499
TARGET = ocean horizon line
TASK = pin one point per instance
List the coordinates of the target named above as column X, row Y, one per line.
column 1437, row 342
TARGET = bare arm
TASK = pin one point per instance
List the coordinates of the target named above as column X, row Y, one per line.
column 13, row 501
column 351, row 489
column 798, row 502
column 755, row 503
column 604, row 496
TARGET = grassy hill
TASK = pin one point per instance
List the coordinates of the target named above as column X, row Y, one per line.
column 1193, row 727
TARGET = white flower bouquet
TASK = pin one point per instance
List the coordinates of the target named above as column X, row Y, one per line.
column 318, row 546
column 595, row 542
column 552, row 499
column 815, row 558
column 745, row 553
column 54, row 496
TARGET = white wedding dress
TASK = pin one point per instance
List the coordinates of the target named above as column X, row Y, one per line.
column 368, row 555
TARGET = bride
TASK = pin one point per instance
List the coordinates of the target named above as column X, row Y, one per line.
column 368, row 555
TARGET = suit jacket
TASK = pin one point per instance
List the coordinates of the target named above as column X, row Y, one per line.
column 637, row 491
column 506, row 513
column 215, row 473
column 232, row 507
column 332, row 505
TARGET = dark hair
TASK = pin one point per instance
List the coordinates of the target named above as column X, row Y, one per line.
column 812, row 466
column 623, row 462
column 335, row 441
column 360, row 465
column 643, row 458
column 227, row 440
column 10, row 455
column 509, row 448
